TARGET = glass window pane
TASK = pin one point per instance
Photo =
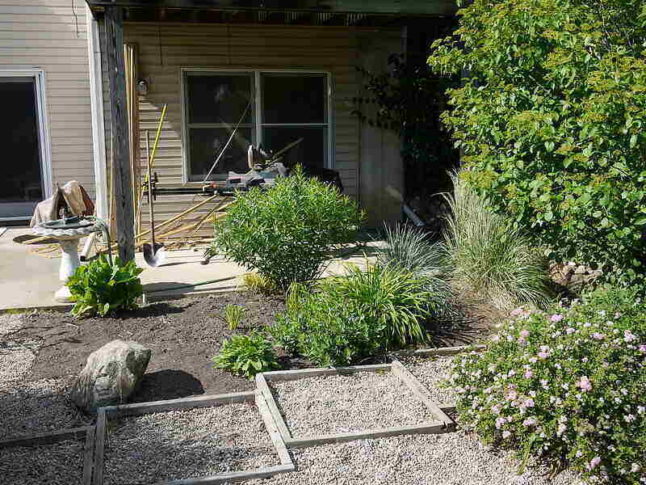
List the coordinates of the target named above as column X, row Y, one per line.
column 205, row 145
column 218, row 98
column 293, row 98
column 310, row 152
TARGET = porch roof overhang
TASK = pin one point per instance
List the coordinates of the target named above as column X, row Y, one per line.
column 304, row 12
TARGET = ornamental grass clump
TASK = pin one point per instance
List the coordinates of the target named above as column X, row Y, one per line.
column 490, row 258
column 566, row 386
column 286, row 232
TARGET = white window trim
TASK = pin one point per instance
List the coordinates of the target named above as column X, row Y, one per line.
column 256, row 132
column 43, row 127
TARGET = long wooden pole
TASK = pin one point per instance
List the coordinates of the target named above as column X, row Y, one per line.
column 124, row 209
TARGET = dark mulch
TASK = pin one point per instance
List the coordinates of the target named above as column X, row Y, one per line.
column 183, row 335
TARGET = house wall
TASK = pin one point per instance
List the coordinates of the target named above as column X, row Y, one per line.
column 51, row 35
column 163, row 49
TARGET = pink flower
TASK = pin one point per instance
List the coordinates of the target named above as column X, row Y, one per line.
column 570, row 330
column 584, row 384
column 598, row 336
column 629, row 336
column 506, row 434
column 517, row 312
column 527, row 403
column 594, row 462
column 500, row 422
column 642, row 348
column 524, row 333
column 511, row 395
column 529, row 422
column 556, row 317
column 544, row 353
column 561, row 429
column 528, row 374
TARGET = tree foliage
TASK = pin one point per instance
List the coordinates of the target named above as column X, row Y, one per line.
column 551, row 120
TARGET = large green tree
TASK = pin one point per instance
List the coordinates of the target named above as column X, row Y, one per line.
column 551, row 121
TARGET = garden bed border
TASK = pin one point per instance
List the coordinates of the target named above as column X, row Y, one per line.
column 138, row 409
column 44, row 439
column 442, row 424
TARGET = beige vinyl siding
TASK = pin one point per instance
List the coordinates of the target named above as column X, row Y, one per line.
column 51, row 35
column 164, row 49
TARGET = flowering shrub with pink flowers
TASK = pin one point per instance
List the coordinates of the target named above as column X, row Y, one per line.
column 566, row 386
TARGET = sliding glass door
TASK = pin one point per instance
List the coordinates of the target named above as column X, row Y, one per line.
column 21, row 167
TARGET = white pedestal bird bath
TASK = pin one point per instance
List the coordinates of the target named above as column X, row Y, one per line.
column 67, row 233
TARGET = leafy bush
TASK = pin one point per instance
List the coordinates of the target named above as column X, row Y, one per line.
column 550, row 119
column 567, row 386
column 286, row 231
column 488, row 257
column 101, row 287
column 246, row 355
column 233, row 315
column 347, row 318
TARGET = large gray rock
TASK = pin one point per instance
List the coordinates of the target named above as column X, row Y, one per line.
column 110, row 375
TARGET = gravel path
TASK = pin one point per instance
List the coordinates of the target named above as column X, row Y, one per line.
column 339, row 404
column 187, row 444
column 15, row 364
column 56, row 464
column 445, row 459
column 37, row 407
column 9, row 323
column 432, row 372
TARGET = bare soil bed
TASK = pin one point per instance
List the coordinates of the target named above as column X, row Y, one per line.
column 186, row 444
column 442, row 459
column 183, row 335
column 54, row 464
column 325, row 405
column 433, row 373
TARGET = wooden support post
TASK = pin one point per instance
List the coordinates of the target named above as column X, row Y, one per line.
column 124, row 210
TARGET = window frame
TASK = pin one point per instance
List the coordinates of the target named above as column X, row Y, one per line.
column 256, row 110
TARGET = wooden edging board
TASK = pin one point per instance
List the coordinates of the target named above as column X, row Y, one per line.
column 440, row 351
column 443, row 423
column 138, row 409
column 84, row 432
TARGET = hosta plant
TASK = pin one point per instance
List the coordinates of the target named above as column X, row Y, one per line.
column 104, row 286
column 566, row 386
column 246, row 355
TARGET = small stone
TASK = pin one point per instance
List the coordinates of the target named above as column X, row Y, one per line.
column 110, row 375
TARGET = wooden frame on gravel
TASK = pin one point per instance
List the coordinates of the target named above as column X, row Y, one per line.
column 442, row 423
column 105, row 413
column 43, row 439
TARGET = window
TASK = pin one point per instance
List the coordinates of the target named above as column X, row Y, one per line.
column 271, row 110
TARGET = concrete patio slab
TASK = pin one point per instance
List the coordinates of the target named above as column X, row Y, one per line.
column 29, row 280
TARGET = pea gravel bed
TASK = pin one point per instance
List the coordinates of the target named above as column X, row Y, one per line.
column 334, row 404
column 55, row 464
column 186, row 444
column 37, row 407
column 444, row 459
column 432, row 372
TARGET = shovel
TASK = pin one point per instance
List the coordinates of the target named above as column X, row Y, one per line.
column 154, row 253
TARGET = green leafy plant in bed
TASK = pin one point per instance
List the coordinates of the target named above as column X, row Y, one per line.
column 286, row 232
column 344, row 319
column 103, row 286
column 566, row 386
column 550, row 118
column 246, row 355
column 233, row 315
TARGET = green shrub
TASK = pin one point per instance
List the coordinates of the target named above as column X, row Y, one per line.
column 246, row 355
column 100, row 287
column 347, row 318
column 233, row 315
column 286, row 231
column 550, row 120
column 567, row 386
column 488, row 257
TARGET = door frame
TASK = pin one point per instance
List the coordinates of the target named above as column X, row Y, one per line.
column 43, row 127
